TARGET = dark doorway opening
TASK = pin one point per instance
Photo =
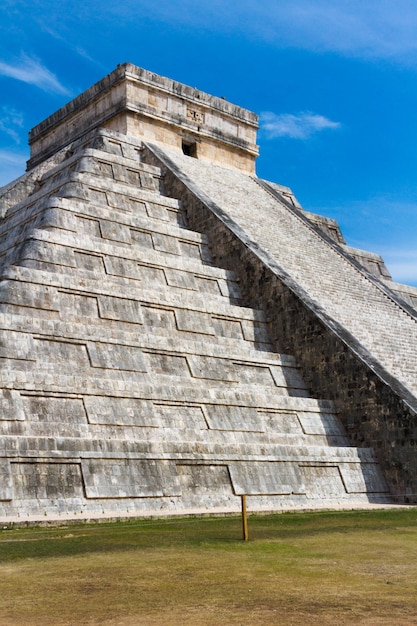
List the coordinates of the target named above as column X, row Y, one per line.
column 189, row 149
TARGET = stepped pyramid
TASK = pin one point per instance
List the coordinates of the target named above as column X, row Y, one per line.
column 177, row 332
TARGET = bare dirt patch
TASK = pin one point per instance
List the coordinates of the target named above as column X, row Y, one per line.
column 321, row 569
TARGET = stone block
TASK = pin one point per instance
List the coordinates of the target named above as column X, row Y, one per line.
column 69, row 355
column 154, row 316
column 194, row 322
column 43, row 251
column 210, row 368
column 6, row 485
column 89, row 227
column 11, row 406
column 151, row 275
column 141, row 238
column 363, row 478
column 266, row 478
column 46, row 481
column 33, row 296
column 54, row 409
column 77, row 305
column 122, row 267
column 285, row 422
column 120, row 411
column 129, row 478
column 120, row 309
column 171, row 364
column 204, row 481
column 183, row 280
column 233, row 418
column 115, row 232
column 89, row 262
column 17, row 345
column 323, row 482
column 116, row 357
column 96, row 196
column 207, row 285
column 180, row 416
column 157, row 211
column 192, row 250
column 165, row 243
column 252, row 374
column 321, row 424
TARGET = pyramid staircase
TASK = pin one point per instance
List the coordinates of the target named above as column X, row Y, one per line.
column 135, row 378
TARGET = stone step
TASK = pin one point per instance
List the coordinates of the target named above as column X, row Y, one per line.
column 65, row 207
column 112, row 143
column 98, row 257
column 335, row 288
column 117, row 416
column 73, row 447
column 157, row 391
column 109, row 224
column 184, row 331
column 123, row 197
column 156, row 278
column 103, row 164
column 173, row 430
column 91, row 479
column 160, row 257
column 106, row 192
column 144, row 339
column 110, row 371
column 118, row 287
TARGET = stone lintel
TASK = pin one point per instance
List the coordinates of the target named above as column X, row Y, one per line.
column 142, row 104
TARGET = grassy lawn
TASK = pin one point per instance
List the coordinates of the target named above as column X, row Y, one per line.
column 299, row 568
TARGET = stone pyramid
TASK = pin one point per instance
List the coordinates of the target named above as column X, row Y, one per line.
column 177, row 332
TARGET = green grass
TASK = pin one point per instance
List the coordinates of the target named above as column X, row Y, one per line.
column 311, row 568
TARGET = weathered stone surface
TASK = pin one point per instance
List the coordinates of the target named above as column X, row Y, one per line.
column 149, row 307
column 351, row 334
column 144, row 105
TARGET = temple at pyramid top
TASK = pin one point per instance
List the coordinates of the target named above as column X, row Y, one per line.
column 139, row 103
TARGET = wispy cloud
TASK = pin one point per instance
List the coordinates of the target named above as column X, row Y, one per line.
column 68, row 41
column 385, row 29
column 11, row 123
column 31, row 71
column 380, row 29
column 383, row 224
column 402, row 264
column 12, row 165
column 15, row 158
column 300, row 126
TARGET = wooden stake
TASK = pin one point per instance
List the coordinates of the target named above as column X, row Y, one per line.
column 244, row 520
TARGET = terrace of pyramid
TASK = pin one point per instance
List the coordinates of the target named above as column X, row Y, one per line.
column 177, row 332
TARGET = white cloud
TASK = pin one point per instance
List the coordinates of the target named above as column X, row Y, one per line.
column 402, row 264
column 379, row 29
column 31, row 71
column 8, row 156
column 384, row 224
column 11, row 123
column 300, row 126
column 374, row 29
column 12, row 165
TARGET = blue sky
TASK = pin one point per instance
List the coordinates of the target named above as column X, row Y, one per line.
column 334, row 83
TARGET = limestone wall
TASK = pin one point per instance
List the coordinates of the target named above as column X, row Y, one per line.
column 139, row 103
column 135, row 378
column 346, row 365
